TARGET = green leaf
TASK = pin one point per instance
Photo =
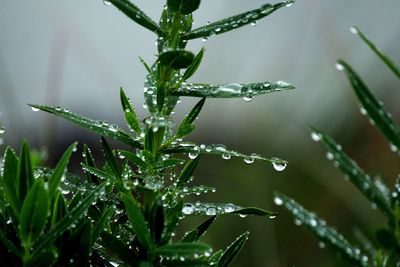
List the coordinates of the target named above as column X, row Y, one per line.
column 89, row 160
column 373, row 107
column 100, row 127
column 101, row 223
column 172, row 218
column 33, row 214
column 212, row 209
column 187, row 126
column 9, row 181
column 137, row 15
column 168, row 163
column 118, row 249
column 193, row 149
column 326, row 234
column 231, row 90
column 176, row 59
column 231, row 252
column 24, row 173
column 60, row 170
column 356, row 175
column 69, row 219
column 133, row 158
column 185, row 7
column 45, row 258
column 187, row 172
column 59, row 209
column 184, row 250
column 112, row 162
column 194, row 66
column 389, row 63
column 130, row 114
column 156, row 220
column 137, row 220
column 194, row 235
column 234, row 22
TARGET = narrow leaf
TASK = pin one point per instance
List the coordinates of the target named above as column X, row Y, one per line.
column 100, row 127
column 328, row 235
column 194, row 66
column 71, row 217
column 59, row 209
column 194, row 235
column 187, row 172
column 118, row 249
column 234, row 22
column 373, row 107
column 89, row 160
column 389, row 63
column 186, row 126
column 193, row 149
column 60, row 170
column 130, row 114
column 212, row 209
column 137, row 15
column 112, row 162
column 24, row 173
column 101, row 223
column 137, row 220
column 33, row 214
column 185, row 7
column 356, row 175
column 177, row 59
column 9, row 182
column 231, row 90
column 231, row 252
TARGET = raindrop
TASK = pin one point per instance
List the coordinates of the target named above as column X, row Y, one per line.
column 278, row 201
column 229, row 207
column 313, row 222
column 354, row 30
column 107, row 3
column 253, row 23
column 226, row 156
column 329, row 156
column 210, row 211
column 34, row 109
column 279, row 166
column 248, row 98
column 204, row 39
column 193, row 155
column 339, row 66
column 316, row 136
column 188, row 209
column 249, row 160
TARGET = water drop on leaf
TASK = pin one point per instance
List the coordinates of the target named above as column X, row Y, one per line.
column 278, row 201
column 279, row 166
column 34, row 109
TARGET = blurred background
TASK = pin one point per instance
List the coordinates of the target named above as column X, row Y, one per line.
column 77, row 54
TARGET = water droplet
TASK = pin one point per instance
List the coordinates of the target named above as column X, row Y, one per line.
column 204, row 39
column 226, row 156
column 289, row 3
column 354, row 30
column 313, row 222
column 193, row 154
column 272, row 216
column 188, row 209
column 229, row 207
column 321, row 245
column 242, row 215
column 339, row 66
column 253, row 23
column 297, row 222
column 210, row 211
column 107, row 3
column 329, row 156
column 278, row 201
column 393, row 147
column 248, row 160
column 248, row 98
column 2, row 130
column 279, row 166
column 316, row 136
column 34, row 109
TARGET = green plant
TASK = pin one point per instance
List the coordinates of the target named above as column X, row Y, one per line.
column 127, row 211
column 384, row 250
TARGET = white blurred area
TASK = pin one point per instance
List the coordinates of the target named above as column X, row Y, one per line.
column 77, row 54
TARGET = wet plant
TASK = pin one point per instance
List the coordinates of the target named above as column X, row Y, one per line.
column 126, row 212
column 383, row 250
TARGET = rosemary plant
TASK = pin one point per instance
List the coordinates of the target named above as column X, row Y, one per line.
column 384, row 249
column 126, row 212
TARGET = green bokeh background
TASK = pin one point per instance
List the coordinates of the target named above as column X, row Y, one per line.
column 76, row 54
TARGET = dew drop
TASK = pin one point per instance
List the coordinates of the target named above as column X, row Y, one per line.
column 339, row 66
column 248, row 98
column 253, row 23
column 393, row 147
column 249, row 160
column 193, row 155
column 329, row 156
column 354, row 30
column 204, row 39
column 2, row 130
column 272, row 216
column 107, row 3
column 278, row 201
column 279, row 166
column 210, row 211
column 188, row 209
column 34, row 109
column 226, row 156
column 363, row 111
column 229, row 207
column 316, row 136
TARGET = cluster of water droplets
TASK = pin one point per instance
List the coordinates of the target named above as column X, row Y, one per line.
column 157, row 122
column 208, row 209
column 327, row 234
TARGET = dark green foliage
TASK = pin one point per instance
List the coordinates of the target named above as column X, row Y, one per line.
column 384, row 250
column 127, row 211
